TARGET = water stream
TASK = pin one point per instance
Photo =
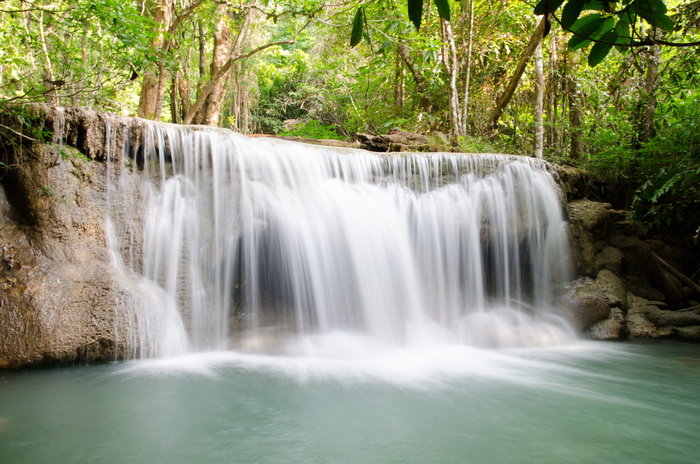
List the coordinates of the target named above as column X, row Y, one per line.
column 277, row 247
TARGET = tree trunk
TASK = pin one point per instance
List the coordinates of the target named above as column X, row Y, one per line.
column 452, row 67
column 153, row 80
column 399, row 78
column 539, row 102
column 421, row 83
column 470, row 43
column 240, row 100
column 554, row 94
column 575, row 116
column 646, row 106
column 515, row 80
column 209, row 112
column 47, row 71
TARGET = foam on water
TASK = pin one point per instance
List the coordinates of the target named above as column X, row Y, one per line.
column 433, row 369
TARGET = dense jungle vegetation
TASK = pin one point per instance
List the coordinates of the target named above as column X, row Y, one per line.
column 612, row 87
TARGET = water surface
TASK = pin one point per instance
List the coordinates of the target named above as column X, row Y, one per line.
column 586, row 402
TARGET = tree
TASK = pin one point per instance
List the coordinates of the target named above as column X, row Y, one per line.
column 232, row 41
column 72, row 53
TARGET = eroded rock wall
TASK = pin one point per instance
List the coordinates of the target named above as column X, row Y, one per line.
column 625, row 288
column 59, row 299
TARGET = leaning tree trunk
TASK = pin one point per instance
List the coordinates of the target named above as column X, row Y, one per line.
column 418, row 78
column 515, row 80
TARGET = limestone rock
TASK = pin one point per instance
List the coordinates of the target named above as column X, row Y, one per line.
column 396, row 140
column 612, row 328
column 688, row 333
column 612, row 288
column 59, row 297
column 609, row 258
column 589, row 225
column 638, row 324
column 588, row 303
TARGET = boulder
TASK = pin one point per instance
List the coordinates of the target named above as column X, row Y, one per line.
column 612, row 288
column 588, row 303
column 612, row 328
column 397, row 140
column 589, row 226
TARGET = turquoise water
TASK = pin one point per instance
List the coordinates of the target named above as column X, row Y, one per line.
column 589, row 402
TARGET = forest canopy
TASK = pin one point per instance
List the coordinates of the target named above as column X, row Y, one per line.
column 608, row 86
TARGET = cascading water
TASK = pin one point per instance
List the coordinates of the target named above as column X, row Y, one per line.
column 272, row 246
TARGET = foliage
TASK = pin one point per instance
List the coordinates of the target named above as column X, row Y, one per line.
column 78, row 53
column 311, row 129
column 632, row 124
column 670, row 167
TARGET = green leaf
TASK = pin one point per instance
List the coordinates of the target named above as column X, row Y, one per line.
column 598, row 5
column 583, row 30
column 598, row 53
column 415, row 12
column 571, row 12
column 358, row 26
column 653, row 12
column 657, row 6
column 443, row 8
column 622, row 32
column 547, row 6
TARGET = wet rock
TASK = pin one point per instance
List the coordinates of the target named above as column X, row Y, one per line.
column 397, row 140
column 638, row 324
column 688, row 333
column 588, row 303
column 612, row 328
column 685, row 318
column 609, row 258
column 59, row 296
column 572, row 179
column 647, row 319
column 612, row 287
column 589, row 226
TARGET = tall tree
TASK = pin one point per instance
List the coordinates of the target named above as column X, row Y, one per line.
column 539, row 102
column 505, row 98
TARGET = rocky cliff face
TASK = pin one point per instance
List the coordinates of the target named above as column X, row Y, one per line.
column 61, row 300
column 629, row 287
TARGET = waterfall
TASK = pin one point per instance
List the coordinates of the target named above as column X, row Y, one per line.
column 279, row 247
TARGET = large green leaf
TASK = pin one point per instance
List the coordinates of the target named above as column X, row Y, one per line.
column 358, row 26
column 606, row 40
column 656, row 5
column 622, row 33
column 598, row 53
column 653, row 12
column 415, row 12
column 599, row 5
column 443, row 8
column 583, row 30
column 571, row 12
column 547, row 6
